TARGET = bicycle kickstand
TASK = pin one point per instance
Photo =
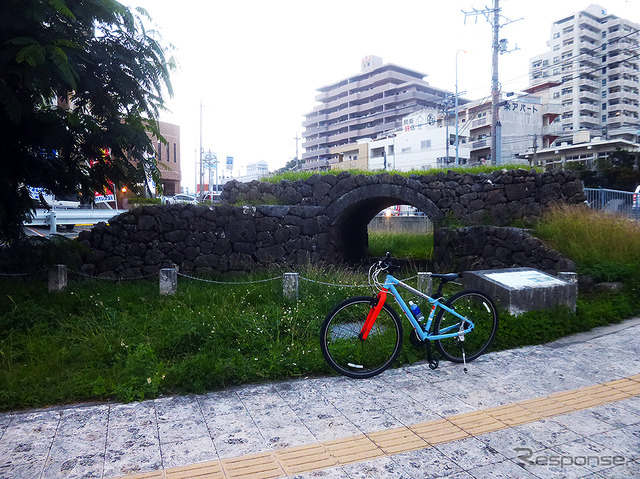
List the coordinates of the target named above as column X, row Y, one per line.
column 433, row 362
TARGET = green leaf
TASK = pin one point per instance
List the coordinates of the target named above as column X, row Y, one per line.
column 34, row 55
column 62, row 8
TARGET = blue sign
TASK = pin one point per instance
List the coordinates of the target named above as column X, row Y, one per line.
column 229, row 162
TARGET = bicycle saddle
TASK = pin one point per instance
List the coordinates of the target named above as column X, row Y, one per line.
column 446, row 277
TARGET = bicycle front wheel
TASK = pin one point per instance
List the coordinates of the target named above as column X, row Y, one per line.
column 341, row 343
column 477, row 307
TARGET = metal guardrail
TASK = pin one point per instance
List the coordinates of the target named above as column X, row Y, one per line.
column 71, row 216
column 613, row 201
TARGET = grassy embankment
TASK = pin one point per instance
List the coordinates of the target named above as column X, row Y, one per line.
column 100, row 340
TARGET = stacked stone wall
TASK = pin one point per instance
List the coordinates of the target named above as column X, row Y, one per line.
column 319, row 218
column 491, row 247
column 499, row 198
column 202, row 239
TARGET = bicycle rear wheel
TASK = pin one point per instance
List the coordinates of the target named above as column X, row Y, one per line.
column 351, row 356
column 481, row 311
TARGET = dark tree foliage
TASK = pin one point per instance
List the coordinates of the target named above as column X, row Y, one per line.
column 81, row 85
column 618, row 172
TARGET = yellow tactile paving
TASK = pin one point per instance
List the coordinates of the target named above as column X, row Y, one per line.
column 394, row 441
column 439, row 431
column 295, row 460
column 513, row 414
column 255, row 466
column 305, row 458
column 209, row 470
column 353, row 449
column 477, row 422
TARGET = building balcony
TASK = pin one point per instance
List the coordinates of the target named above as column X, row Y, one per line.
column 588, row 95
column 480, row 144
column 551, row 109
column 589, row 107
column 314, row 120
column 588, row 83
column 555, row 129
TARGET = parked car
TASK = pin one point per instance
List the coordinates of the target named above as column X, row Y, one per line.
column 179, row 199
column 213, row 196
column 44, row 199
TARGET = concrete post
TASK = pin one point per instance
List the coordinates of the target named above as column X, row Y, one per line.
column 53, row 227
column 425, row 283
column 168, row 280
column 568, row 276
column 57, row 277
column 290, row 286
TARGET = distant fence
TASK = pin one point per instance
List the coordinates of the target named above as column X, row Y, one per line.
column 401, row 224
column 70, row 217
column 614, row 201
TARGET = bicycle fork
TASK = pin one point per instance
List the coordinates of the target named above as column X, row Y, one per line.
column 373, row 315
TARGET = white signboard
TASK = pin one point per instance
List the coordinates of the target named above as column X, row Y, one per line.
column 525, row 279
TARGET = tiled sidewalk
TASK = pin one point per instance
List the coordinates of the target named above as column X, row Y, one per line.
column 384, row 427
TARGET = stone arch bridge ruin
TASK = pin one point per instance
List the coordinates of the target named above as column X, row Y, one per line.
column 321, row 219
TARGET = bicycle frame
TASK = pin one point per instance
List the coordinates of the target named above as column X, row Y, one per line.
column 389, row 285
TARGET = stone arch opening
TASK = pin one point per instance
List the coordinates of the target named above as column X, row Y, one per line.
column 351, row 213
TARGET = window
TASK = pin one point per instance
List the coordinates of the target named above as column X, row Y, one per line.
column 174, row 153
column 604, row 81
column 604, row 118
column 168, row 153
column 604, row 106
column 424, row 144
column 556, row 35
column 604, row 94
column 556, row 47
column 159, row 151
column 406, row 150
column 556, row 59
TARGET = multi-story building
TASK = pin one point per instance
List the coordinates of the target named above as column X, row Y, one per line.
column 364, row 106
column 593, row 56
column 168, row 158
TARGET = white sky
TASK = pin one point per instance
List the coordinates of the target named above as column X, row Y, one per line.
column 256, row 64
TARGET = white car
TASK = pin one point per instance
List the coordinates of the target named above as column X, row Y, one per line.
column 180, row 199
column 46, row 200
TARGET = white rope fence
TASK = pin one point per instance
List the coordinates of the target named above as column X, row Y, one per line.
column 168, row 281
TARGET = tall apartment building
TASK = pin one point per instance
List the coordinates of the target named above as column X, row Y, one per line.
column 593, row 57
column 364, row 106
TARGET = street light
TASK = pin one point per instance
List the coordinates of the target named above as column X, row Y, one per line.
column 457, row 127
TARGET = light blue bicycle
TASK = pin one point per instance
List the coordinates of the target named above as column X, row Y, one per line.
column 363, row 335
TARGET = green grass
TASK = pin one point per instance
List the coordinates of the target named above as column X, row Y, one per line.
column 417, row 246
column 303, row 175
column 605, row 246
column 99, row 340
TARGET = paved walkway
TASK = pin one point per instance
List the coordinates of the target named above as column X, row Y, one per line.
column 565, row 409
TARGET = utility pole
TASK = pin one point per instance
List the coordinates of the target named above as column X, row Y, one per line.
column 297, row 160
column 201, row 165
column 495, row 89
column 446, row 121
column 492, row 15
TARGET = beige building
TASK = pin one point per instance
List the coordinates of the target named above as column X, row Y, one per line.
column 364, row 106
column 593, row 58
column 582, row 149
column 168, row 158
